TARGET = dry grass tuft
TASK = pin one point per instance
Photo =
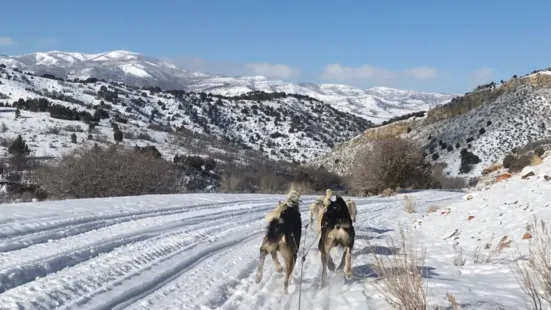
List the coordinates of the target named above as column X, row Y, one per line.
column 536, row 160
column 387, row 192
column 534, row 275
column 433, row 209
column 401, row 275
column 493, row 167
column 410, row 204
column 453, row 302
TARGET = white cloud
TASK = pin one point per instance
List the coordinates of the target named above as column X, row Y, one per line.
column 368, row 72
column 229, row 68
column 272, row 70
column 45, row 40
column 6, row 40
column 422, row 73
column 481, row 76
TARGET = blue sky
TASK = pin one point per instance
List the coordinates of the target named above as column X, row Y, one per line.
column 428, row 45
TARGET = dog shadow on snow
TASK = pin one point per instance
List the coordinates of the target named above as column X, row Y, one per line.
column 373, row 230
column 366, row 271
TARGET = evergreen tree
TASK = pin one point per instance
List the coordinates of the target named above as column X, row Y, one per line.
column 19, row 147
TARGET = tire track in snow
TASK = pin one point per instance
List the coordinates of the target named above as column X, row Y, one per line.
column 168, row 276
column 27, row 264
column 60, row 229
column 218, row 274
column 91, row 277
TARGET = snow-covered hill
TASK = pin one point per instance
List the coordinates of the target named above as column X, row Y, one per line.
column 281, row 126
column 200, row 251
column 374, row 104
column 489, row 123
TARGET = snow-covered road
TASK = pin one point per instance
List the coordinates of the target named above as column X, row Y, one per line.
column 172, row 252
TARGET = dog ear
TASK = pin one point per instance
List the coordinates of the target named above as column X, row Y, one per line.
column 340, row 201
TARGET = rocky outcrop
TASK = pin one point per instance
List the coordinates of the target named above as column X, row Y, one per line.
column 472, row 100
column 488, row 122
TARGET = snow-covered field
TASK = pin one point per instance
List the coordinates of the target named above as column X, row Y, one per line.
column 200, row 251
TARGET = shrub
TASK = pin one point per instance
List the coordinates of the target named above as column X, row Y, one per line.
column 391, row 163
column 149, row 150
column 210, row 164
column 144, row 136
column 539, row 150
column 317, row 179
column 468, row 159
column 53, row 130
column 508, row 161
column 517, row 163
column 117, row 135
column 71, row 128
column 107, row 173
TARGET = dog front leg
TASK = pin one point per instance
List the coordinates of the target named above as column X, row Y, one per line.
column 348, row 264
column 343, row 259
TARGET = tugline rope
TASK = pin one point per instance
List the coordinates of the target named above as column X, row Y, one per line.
column 303, row 257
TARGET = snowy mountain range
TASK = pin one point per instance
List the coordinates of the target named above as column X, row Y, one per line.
column 280, row 126
column 374, row 104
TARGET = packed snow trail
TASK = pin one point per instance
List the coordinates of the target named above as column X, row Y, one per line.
column 193, row 251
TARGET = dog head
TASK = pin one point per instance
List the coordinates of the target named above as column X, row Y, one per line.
column 337, row 212
column 293, row 198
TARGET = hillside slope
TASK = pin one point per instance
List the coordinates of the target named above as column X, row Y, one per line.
column 375, row 104
column 280, row 126
column 489, row 122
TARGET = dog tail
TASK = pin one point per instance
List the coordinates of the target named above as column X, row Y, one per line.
column 275, row 229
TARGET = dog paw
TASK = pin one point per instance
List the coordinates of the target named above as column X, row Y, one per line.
column 279, row 269
column 258, row 277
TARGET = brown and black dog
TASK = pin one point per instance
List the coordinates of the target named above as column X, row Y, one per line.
column 283, row 234
column 336, row 230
